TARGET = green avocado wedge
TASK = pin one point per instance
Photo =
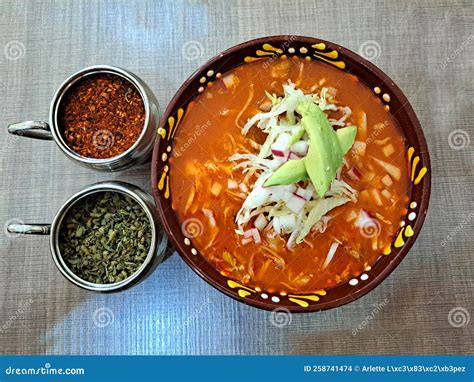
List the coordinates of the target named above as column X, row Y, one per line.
column 326, row 149
column 346, row 137
column 288, row 173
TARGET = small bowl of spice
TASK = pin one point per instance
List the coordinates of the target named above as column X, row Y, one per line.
column 103, row 117
column 105, row 238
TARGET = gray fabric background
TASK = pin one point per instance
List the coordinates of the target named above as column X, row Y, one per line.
column 427, row 47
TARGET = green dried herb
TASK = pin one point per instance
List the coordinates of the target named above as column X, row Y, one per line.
column 106, row 239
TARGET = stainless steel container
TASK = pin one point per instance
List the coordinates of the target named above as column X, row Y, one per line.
column 138, row 153
column 158, row 243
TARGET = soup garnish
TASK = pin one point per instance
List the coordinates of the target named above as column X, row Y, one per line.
column 294, row 172
column 297, row 167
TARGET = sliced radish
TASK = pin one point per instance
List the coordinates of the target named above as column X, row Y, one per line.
column 280, row 146
column 293, row 156
column 280, row 153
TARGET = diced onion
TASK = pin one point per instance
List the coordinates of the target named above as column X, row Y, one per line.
column 300, row 148
column 359, row 148
column 243, row 187
column 295, row 203
column 256, row 236
column 232, row 184
column 216, row 189
column 260, row 222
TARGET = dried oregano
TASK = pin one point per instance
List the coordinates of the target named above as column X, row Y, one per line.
column 105, row 239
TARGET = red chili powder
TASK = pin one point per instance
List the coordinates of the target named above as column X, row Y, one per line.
column 102, row 116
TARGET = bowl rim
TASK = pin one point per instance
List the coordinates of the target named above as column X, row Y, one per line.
column 394, row 261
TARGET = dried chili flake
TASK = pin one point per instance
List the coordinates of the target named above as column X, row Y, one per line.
column 102, row 116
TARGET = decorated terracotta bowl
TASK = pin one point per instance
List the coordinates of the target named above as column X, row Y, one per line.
column 393, row 100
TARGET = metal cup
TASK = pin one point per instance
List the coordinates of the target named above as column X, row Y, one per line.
column 138, row 153
column 156, row 252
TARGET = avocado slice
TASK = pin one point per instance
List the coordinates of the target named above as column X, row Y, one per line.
column 288, row 173
column 326, row 149
column 297, row 136
column 324, row 153
column 346, row 137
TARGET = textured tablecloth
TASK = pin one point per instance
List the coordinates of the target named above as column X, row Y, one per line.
column 427, row 47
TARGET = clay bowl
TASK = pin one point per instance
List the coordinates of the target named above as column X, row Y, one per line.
column 374, row 78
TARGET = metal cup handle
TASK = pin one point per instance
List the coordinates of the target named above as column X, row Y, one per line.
column 32, row 129
column 30, row 229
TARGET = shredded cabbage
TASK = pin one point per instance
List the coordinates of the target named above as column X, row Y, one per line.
column 272, row 201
